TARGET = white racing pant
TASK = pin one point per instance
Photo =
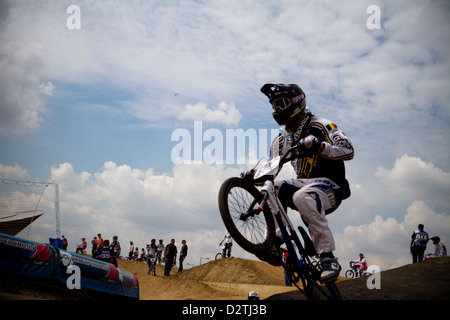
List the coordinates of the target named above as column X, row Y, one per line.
column 313, row 199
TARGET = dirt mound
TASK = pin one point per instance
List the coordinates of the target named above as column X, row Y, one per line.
column 426, row 280
column 230, row 279
column 235, row 270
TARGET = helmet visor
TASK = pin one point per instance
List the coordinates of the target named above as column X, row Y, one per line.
column 280, row 104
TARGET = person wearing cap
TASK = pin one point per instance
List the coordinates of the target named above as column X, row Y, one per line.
column 439, row 249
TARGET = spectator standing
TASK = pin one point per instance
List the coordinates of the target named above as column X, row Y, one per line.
column 94, row 245
column 131, row 252
column 170, row 254
column 183, row 254
column 419, row 240
column 65, row 243
column 160, row 251
column 100, row 242
column 115, row 246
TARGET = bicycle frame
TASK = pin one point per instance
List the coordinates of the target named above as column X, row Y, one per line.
column 285, row 225
column 300, row 258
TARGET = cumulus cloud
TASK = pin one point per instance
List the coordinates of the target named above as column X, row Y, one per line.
column 138, row 205
column 414, row 178
column 21, row 106
column 15, row 172
column 225, row 113
column 218, row 52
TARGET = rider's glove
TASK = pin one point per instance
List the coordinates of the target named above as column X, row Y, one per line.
column 310, row 143
column 248, row 176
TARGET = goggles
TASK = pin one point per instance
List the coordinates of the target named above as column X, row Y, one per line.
column 280, row 104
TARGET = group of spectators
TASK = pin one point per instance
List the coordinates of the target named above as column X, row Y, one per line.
column 103, row 250
column 418, row 245
column 168, row 254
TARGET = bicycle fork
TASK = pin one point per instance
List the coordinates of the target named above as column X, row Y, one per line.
column 284, row 224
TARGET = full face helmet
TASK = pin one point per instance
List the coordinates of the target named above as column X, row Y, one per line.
column 287, row 100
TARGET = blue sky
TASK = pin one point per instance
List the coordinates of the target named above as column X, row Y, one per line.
column 93, row 109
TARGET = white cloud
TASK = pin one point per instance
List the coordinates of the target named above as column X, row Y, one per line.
column 413, row 178
column 15, row 172
column 138, row 205
column 225, row 113
column 217, row 52
column 47, row 88
column 21, row 107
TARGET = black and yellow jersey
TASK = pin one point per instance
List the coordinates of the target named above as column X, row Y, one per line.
column 330, row 162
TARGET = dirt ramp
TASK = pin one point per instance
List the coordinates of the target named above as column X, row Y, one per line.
column 226, row 279
column 235, row 270
column 426, row 280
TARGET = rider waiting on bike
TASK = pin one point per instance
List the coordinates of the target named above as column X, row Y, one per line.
column 360, row 264
column 320, row 185
column 151, row 255
column 226, row 252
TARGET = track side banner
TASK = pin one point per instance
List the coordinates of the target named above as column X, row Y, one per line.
column 24, row 257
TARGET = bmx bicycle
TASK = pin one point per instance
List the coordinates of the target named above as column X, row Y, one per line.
column 151, row 264
column 222, row 254
column 353, row 272
column 246, row 213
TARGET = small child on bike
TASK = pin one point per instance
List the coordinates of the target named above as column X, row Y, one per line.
column 360, row 264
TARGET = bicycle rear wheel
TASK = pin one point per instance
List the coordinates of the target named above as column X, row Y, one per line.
column 251, row 228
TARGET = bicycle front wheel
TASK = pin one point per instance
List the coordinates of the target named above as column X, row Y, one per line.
column 349, row 274
column 251, row 228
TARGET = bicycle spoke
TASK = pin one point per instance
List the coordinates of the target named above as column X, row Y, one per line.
column 254, row 227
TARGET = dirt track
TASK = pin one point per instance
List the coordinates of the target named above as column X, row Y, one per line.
column 233, row 278
column 227, row 279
